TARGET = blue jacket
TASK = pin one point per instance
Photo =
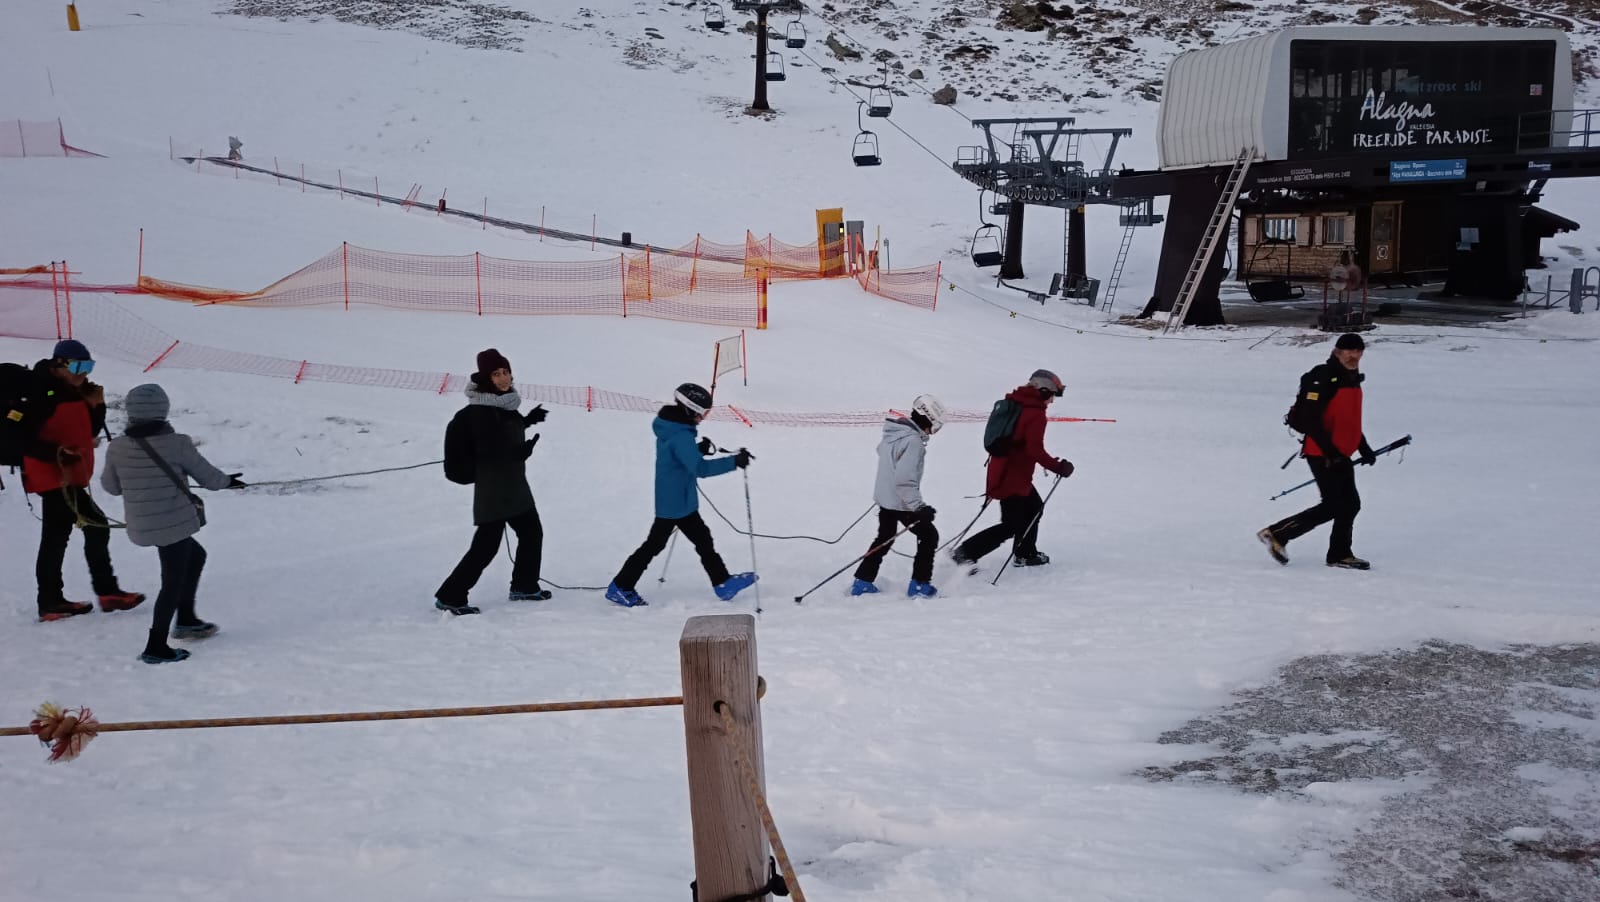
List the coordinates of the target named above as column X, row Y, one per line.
column 679, row 464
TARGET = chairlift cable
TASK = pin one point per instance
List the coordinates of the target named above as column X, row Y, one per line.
column 859, row 98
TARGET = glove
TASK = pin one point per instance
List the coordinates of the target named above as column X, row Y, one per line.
column 742, row 458
column 234, row 482
column 1064, row 468
column 527, row 446
column 536, row 415
column 926, row 513
column 1367, row 458
column 707, row 447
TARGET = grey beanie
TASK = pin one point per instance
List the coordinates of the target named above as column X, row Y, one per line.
column 147, row 402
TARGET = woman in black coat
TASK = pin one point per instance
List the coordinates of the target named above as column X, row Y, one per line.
column 500, row 495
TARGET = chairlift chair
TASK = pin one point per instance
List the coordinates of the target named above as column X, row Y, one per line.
column 775, row 66
column 794, row 37
column 865, row 151
column 715, row 19
column 880, row 103
column 986, row 246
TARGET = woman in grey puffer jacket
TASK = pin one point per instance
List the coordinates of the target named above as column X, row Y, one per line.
column 161, row 511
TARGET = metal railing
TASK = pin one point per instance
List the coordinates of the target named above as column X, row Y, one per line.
column 1538, row 131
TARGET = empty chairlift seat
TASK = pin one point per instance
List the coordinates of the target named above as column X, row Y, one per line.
column 795, row 36
column 775, row 66
column 715, row 19
column 986, row 246
column 880, row 103
column 865, row 151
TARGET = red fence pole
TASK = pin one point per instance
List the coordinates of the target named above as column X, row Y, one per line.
column 649, row 292
column 163, row 356
column 300, row 372
column 346, row 248
column 444, row 383
column 66, row 289
column 477, row 270
column 55, row 298
column 694, row 263
column 589, row 404
column 938, row 269
column 622, row 267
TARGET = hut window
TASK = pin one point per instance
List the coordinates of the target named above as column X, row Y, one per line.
column 1278, row 229
column 1334, row 230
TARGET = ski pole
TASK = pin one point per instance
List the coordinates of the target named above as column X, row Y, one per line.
column 1392, row 446
column 963, row 533
column 884, row 544
column 671, row 544
column 750, row 520
column 1031, row 524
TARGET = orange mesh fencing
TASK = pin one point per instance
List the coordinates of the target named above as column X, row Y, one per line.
column 794, row 261
column 918, row 286
column 19, row 138
column 29, row 309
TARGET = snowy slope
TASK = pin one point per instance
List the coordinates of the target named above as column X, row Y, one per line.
column 979, row 745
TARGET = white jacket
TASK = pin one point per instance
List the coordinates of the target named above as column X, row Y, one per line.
column 900, row 457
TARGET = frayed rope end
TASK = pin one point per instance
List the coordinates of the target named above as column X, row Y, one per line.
column 65, row 732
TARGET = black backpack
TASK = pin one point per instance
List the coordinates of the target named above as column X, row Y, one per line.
column 1002, row 425
column 26, row 401
column 460, row 457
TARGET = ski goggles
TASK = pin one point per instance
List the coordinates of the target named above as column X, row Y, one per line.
column 79, row 367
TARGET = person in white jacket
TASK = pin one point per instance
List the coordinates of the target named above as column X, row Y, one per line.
column 898, row 492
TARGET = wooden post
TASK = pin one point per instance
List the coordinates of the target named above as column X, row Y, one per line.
column 718, row 657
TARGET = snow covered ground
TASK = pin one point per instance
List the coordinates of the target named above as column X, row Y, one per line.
column 985, row 744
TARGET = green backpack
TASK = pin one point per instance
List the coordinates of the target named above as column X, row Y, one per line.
column 1002, row 425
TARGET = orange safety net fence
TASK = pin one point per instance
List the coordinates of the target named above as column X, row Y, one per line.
column 19, row 138
column 33, row 309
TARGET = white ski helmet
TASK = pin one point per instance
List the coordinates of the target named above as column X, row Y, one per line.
column 930, row 409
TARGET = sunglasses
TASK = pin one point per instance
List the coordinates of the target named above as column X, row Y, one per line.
column 80, row 367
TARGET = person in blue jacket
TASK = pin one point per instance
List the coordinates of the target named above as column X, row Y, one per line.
column 679, row 464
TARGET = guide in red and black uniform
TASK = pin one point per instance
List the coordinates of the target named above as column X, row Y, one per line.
column 1332, row 394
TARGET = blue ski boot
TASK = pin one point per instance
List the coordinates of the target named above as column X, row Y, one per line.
column 862, row 587
column 921, row 590
column 736, row 583
column 625, row 597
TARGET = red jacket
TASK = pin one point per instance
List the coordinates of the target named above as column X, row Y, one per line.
column 71, row 425
column 1339, row 391
column 1012, row 475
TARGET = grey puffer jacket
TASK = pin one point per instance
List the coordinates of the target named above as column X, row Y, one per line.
column 900, row 457
column 157, row 511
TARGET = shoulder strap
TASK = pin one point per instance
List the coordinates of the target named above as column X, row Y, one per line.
column 183, row 485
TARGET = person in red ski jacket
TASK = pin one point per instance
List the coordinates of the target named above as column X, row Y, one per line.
column 1010, row 478
column 57, row 465
column 1331, row 393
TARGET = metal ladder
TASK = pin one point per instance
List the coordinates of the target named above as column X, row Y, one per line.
column 1116, row 268
column 1221, row 217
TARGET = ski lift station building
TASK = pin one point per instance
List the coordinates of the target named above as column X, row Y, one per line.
column 1419, row 150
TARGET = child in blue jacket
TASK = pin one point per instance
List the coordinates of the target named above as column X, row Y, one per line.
column 679, row 464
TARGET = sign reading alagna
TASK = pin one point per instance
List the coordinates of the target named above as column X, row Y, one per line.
column 1357, row 97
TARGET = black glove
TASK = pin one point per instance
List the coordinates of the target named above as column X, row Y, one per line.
column 536, row 415
column 707, row 447
column 1064, row 468
column 527, row 446
column 234, row 482
column 926, row 513
column 742, row 458
column 1367, row 458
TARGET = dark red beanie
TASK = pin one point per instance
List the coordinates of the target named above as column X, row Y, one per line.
column 491, row 360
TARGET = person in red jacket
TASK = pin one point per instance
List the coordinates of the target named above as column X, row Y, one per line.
column 1332, row 423
column 57, row 466
column 1010, row 479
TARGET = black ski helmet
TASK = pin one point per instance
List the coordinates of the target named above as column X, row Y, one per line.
column 693, row 398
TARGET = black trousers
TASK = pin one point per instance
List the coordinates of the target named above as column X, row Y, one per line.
column 486, row 544
column 181, row 563
column 1340, row 503
column 1019, row 521
column 694, row 529
column 888, row 522
column 56, row 531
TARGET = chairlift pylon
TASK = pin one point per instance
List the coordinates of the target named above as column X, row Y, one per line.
column 715, row 19
column 794, row 37
column 775, row 71
column 865, row 150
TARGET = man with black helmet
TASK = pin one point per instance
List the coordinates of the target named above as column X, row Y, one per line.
column 1328, row 410
column 680, row 463
column 1010, row 479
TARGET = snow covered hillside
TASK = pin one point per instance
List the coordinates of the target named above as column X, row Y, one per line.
column 1079, row 731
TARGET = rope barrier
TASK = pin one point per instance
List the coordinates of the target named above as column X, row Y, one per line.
column 765, row 810
column 67, row 733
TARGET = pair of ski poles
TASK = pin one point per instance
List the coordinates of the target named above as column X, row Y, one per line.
column 750, row 521
column 1395, row 445
column 890, row 541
